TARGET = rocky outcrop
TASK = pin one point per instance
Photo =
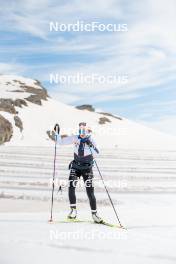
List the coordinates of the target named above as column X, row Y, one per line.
column 35, row 99
column 7, row 105
column 20, row 103
column 18, row 123
column 90, row 108
column 103, row 120
column 37, row 94
column 86, row 107
column 108, row 114
column 6, row 130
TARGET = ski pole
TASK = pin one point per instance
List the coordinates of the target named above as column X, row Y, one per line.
column 54, row 172
column 106, row 189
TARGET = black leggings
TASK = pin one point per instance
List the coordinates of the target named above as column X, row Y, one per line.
column 88, row 180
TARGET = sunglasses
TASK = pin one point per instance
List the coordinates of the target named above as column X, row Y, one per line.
column 82, row 131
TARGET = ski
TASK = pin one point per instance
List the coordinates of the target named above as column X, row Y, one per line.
column 109, row 224
column 87, row 221
column 70, row 221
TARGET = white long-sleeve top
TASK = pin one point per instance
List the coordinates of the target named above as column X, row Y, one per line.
column 75, row 140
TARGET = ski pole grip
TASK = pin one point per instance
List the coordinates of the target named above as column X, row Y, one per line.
column 57, row 129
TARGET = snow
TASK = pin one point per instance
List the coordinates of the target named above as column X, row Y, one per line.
column 10, row 83
column 149, row 238
column 145, row 206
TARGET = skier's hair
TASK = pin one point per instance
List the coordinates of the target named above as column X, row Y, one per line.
column 82, row 124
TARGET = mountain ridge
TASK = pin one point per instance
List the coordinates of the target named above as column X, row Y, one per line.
column 28, row 113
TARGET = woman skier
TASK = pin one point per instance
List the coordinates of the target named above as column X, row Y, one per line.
column 84, row 147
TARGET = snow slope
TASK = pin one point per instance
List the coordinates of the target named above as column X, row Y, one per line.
column 149, row 238
column 37, row 119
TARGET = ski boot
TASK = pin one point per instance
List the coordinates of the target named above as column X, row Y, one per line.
column 96, row 218
column 72, row 214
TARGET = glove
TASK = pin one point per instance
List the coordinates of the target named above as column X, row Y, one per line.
column 57, row 129
column 89, row 143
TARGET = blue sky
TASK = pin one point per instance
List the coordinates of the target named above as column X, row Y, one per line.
column 146, row 53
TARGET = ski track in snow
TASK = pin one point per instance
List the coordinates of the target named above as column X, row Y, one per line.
column 144, row 202
column 28, row 171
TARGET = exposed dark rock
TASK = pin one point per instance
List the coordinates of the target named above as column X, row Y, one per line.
column 17, row 91
column 40, row 92
column 37, row 82
column 6, row 130
column 18, row 123
column 20, row 102
column 37, row 94
column 86, row 107
column 7, row 105
column 35, row 99
column 18, row 81
column 108, row 114
column 103, row 120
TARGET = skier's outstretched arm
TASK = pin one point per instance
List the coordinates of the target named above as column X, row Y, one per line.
column 67, row 140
